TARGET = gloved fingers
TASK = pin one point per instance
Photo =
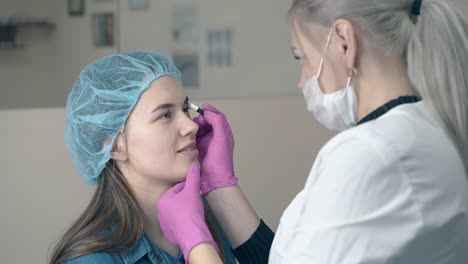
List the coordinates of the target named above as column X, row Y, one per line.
column 200, row 120
column 218, row 123
column 176, row 189
column 193, row 178
column 213, row 117
column 211, row 108
column 203, row 126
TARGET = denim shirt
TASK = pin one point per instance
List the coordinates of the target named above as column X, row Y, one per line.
column 145, row 252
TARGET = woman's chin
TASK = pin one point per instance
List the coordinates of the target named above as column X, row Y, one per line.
column 180, row 178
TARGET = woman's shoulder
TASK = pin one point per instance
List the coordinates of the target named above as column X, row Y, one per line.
column 96, row 258
column 357, row 158
column 401, row 132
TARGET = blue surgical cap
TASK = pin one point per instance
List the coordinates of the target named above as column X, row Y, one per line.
column 105, row 93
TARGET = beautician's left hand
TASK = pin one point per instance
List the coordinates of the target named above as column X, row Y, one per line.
column 181, row 214
column 215, row 144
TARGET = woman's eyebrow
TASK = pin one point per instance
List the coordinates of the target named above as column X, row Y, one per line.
column 163, row 106
column 168, row 105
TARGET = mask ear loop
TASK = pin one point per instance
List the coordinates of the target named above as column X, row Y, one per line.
column 352, row 72
column 324, row 52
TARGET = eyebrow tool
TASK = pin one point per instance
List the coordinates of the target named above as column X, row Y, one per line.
column 197, row 109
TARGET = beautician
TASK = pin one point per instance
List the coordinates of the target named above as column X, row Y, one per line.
column 391, row 187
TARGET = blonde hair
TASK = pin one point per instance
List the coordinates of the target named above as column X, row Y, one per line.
column 434, row 46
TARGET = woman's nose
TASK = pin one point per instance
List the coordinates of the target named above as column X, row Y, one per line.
column 189, row 127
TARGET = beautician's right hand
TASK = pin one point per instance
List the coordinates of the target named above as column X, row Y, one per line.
column 215, row 143
column 182, row 216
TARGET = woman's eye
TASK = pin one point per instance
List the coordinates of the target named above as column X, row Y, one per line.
column 187, row 110
column 166, row 115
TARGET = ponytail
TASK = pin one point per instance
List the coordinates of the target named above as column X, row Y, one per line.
column 437, row 59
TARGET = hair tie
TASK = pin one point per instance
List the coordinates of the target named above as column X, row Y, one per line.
column 416, row 8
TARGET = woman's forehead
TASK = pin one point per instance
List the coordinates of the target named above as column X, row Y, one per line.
column 165, row 90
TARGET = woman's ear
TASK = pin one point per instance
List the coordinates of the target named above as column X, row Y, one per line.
column 346, row 41
column 119, row 149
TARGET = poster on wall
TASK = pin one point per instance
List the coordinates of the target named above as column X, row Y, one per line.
column 185, row 23
column 103, row 29
column 187, row 63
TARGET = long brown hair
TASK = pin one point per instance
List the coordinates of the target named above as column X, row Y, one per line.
column 113, row 208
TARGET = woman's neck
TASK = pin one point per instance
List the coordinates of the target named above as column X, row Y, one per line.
column 378, row 83
column 147, row 196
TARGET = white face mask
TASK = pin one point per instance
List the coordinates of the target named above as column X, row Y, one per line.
column 336, row 111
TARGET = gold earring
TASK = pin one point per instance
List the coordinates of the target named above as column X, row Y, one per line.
column 352, row 72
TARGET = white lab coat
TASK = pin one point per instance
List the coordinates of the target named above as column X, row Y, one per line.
column 392, row 190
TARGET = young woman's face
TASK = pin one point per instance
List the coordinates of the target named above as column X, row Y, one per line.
column 160, row 135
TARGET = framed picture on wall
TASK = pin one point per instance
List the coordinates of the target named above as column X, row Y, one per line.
column 103, row 29
column 76, row 7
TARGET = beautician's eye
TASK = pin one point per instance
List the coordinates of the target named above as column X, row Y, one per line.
column 299, row 58
column 297, row 55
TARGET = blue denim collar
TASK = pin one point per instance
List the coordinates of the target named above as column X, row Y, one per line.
column 146, row 247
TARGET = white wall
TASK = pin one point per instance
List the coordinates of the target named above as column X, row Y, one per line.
column 21, row 70
column 41, row 72
column 40, row 193
column 261, row 44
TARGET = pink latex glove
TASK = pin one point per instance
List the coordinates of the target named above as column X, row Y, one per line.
column 181, row 214
column 215, row 144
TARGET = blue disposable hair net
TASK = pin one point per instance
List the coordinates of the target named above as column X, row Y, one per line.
column 105, row 93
